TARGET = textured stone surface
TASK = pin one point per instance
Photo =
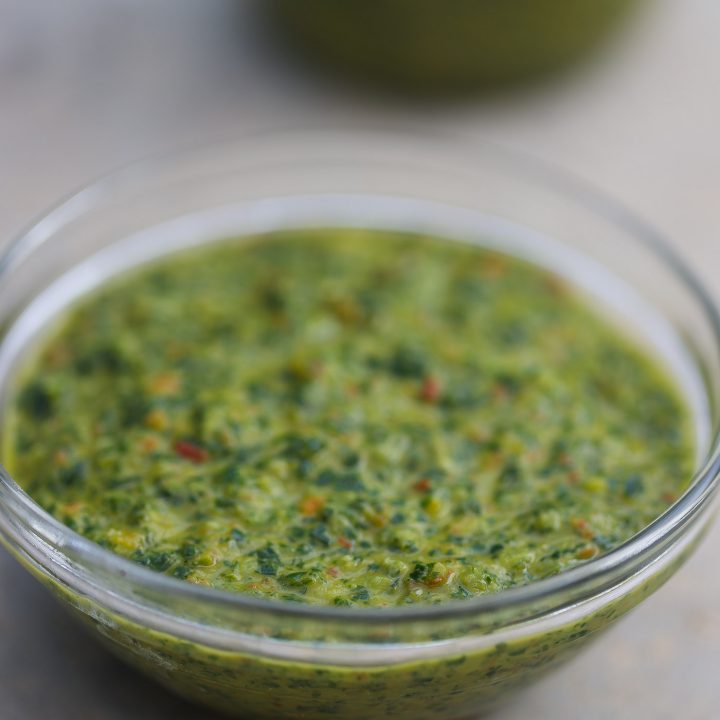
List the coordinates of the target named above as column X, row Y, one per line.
column 86, row 85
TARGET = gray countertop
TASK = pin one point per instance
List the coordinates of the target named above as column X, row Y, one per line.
column 85, row 86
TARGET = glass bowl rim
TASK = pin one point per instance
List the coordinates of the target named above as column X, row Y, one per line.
column 542, row 175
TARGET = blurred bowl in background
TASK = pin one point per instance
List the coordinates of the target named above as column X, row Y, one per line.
column 446, row 45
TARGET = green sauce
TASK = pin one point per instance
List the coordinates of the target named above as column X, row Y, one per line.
column 348, row 417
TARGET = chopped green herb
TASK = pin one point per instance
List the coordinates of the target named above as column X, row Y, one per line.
column 347, row 416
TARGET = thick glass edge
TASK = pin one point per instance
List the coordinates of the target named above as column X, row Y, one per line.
column 620, row 562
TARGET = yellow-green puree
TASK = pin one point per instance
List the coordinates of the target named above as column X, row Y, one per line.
column 349, row 418
column 354, row 418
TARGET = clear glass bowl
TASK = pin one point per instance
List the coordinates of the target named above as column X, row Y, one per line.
column 272, row 659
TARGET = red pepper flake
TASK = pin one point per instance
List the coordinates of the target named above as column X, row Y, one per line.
column 668, row 497
column 149, row 444
column 582, row 528
column 573, row 477
column 61, row 458
column 430, row 390
column 344, row 542
column 439, row 579
column 312, row 505
column 423, row 485
column 587, row 552
column 332, row 571
column 191, row 451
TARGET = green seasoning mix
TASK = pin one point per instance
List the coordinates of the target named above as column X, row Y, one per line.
column 347, row 417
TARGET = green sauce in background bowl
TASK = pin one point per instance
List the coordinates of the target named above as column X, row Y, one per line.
column 288, row 648
column 445, row 45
